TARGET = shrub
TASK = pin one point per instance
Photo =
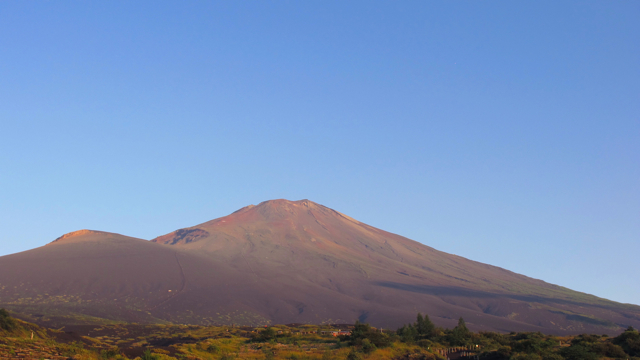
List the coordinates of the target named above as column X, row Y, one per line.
column 522, row 356
column 362, row 332
column 268, row 353
column 552, row 357
column 504, row 352
column 609, row 350
column 367, row 346
column 353, row 355
column 629, row 340
column 147, row 355
column 578, row 352
column 109, row 353
column 265, row 335
column 6, row 322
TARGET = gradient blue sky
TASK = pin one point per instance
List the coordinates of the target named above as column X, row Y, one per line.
column 507, row 132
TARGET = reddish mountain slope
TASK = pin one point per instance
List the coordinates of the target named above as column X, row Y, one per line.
column 87, row 274
column 286, row 261
column 327, row 265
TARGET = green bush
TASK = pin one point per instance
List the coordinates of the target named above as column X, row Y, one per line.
column 368, row 347
column 362, row 332
column 6, row 322
column 629, row 341
column 578, row 352
column 109, row 353
column 268, row 353
column 147, row 355
column 353, row 355
column 504, row 352
column 265, row 335
column 552, row 357
column 533, row 343
column 609, row 350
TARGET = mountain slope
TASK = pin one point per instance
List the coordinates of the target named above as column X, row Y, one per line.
column 282, row 262
column 87, row 275
column 327, row 258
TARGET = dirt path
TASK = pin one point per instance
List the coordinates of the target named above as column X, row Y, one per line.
column 183, row 286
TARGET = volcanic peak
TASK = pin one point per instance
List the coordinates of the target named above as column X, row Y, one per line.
column 282, row 208
column 276, row 211
column 281, row 214
column 270, row 210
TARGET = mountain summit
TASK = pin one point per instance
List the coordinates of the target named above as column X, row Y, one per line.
column 288, row 261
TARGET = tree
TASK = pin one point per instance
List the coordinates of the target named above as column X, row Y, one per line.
column 363, row 331
column 408, row 333
column 462, row 326
column 367, row 346
column 424, row 326
column 360, row 330
column 460, row 334
column 629, row 340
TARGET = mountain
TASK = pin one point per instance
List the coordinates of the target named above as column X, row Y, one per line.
column 283, row 262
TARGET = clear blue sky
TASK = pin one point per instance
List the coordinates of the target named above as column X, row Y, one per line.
column 507, row 132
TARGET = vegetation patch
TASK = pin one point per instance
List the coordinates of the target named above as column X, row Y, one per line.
column 421, row 340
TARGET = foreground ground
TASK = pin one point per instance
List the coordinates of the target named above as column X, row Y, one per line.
column 421, row 340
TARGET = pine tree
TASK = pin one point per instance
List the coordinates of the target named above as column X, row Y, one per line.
column 462, row 326
column 460, row 334
column 408, row 333
column 424, row 326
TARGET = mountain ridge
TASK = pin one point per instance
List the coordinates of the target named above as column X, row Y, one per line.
column 79, row 233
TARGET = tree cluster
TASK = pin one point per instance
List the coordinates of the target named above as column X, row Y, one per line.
column 423, row 340
column 629, row 341
column 424, row 332
column 522, row 346
column 423, row 328
column 367, row 338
